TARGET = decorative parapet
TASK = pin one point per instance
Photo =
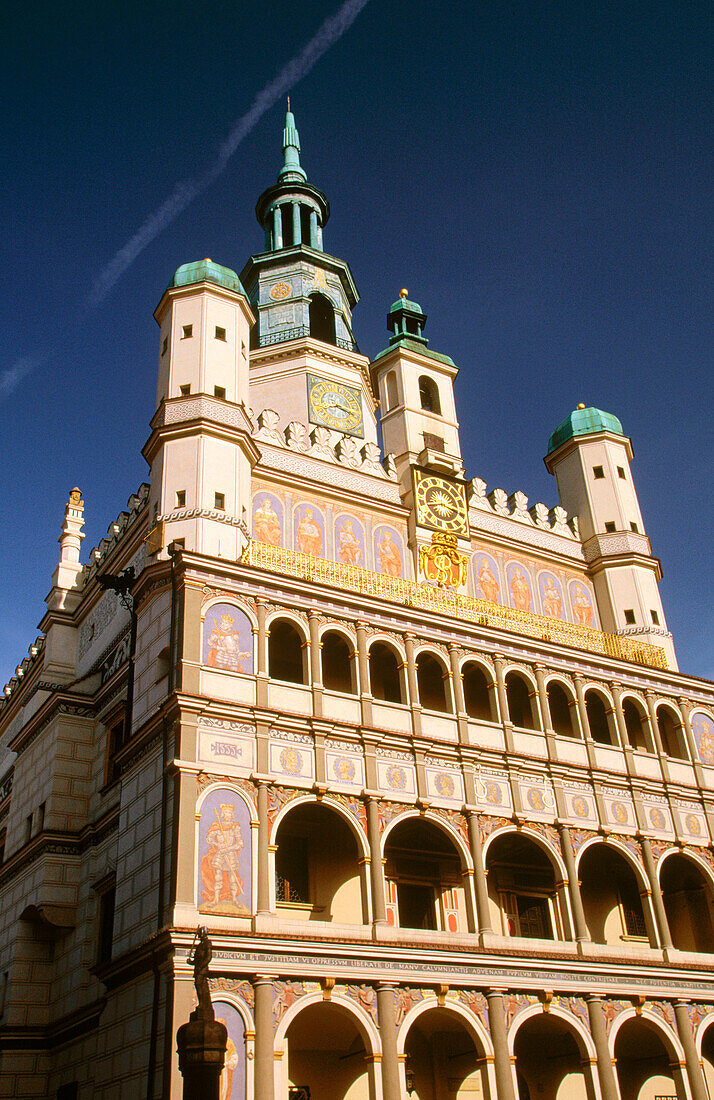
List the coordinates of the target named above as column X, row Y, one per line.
column 344, row 450
column 619, row 542
column 445, row 602
column 116, row 530
column 515, row 507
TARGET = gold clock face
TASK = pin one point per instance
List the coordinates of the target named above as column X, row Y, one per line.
column 440, row 503
column 335, row 405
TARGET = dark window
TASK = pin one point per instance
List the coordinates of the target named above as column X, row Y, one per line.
column 220, row 333
column 384, row 674
column 621, row 472
column 322, row 319
column 597, row 718
column 598, row 472
column 392, row 397
column 430, row 678
column 668, row 727
column 286, row 220
column 41, row 809
column 116, row 739
column 219, row 501
column 533, row 918
column 634, row 725
column 336, row 663
column 655, row 617
column 28, row 828
column 185, row 390
column 417, row 908
column 180, row 498
column 292, row 879
column 285, row 653
column 305, row 224
column 434, row 442
column 634, row 527
column 106, row 925
column 429, row 395
column 629, row 616
column 561, row 718
column 519, row 703
column 219, row 391
column 187, row 332
column 610, row 527
column 69, row 1091
column 477, row 699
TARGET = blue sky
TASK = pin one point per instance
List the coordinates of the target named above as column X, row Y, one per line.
column 537, row 174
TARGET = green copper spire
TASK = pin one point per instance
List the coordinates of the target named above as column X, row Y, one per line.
column 291, row 170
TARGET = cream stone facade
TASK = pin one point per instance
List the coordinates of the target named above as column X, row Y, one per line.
column 416, row 753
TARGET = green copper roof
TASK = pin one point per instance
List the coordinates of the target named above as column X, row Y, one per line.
column 404, row 303
column 415, row 345
column 584, row 421
column 201, row 271
column 291, row 169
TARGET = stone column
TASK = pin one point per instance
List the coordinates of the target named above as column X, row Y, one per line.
column 619, row 715
column 297, row 229
column 576, row 902
column 413, row 684
column 480, row 885
column 391, row 1085
column 657, row 900
column 264, row 1039
column 542, row 693
column 313, row 228
column 263, row 899
column 365, row 687
column 501, row 1057
column 319, row 237
column 605, row 1067
column 277, row 229
column 315, row 662
column 262, row 656
column 691, row 1058
column 498, row 663
column 651, row 701
column 376, row 867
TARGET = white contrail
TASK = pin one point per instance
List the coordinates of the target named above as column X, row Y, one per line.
column 11, row 377
column 184, row 192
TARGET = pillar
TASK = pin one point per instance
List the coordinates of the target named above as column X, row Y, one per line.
column 576, row 902
column 263, row 898
column 277, row 229
column 413, row 684
column 542, row 693
column 313, row 228
column 365, row 687
column 264, row 1039
column 315, row 662
column 376, row 867
column 501, row 1057
column 480, row 885
column 319, row 237
column 391, row 1085
column 605, row 1067
column 691, row 1058
column 501, row 689
column 297, row 230
column 657, row 900
column 262, row 661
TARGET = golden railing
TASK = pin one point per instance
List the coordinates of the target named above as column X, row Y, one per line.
column 444, row 601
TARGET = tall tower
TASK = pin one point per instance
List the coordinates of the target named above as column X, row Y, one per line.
column 305, row 364
column 200, row 449
column 590, row 456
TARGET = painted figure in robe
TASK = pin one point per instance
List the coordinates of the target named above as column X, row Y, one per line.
column 350, row 549
column 219, row 867
column 224, row 646
column 390, row 558
column 309, row 535
column 266, row 525
column 520, row 591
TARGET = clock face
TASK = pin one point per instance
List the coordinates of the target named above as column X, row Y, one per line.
column 440, row 503
column 334, row 405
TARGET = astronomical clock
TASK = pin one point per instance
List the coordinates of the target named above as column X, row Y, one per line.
column 441, row 503
column 335, row 405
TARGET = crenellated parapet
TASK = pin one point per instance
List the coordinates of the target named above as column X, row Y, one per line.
column 330, row 446
column 515, row 506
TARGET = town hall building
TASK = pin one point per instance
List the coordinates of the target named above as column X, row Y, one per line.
column 415, row 751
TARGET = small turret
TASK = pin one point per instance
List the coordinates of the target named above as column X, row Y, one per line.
column 590, row 456
column 65, row 576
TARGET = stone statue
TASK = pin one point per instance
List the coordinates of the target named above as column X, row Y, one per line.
column 201, row 955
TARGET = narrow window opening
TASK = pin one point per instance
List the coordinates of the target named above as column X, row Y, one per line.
column 106, row 925
column 598, row 472
column 477, row 699
column 655, row 617
column 305, row 224
column 181, row 498
column 634, row 527
column 185, row 389
column 429, row 395
column 286, row 218
column 220, row 333
column 41, row 816
column 28, row 828
column 322, row 319
column 219, row 391
column 519, row 703
column 621, row 472
column 430, row 678
column 165, row 345
column 610, row 527
column 219, row 501
column 392, row 396
column 292, row 877
column 629, row 616
column 597, row 718
column 384, row 674
column 285, row 653
column 336, row 663
column 187, row 332
column 634, row 726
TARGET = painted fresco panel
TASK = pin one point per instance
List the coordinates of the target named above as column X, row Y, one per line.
column 345, row 768
column 228, row 639
column 349, row 541
column 232, row 1083
column 446, row 785
column 289, row 760
column 224, row 854
column 388, row 551
column 550, row 591
column 581, row 602
column 485, row 574
column 493, row 792
column 309, row 530
column 519, row 586
column 399, row 778
column 703, row 730
column 268, row 518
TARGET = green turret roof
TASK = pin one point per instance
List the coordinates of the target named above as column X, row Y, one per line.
column 583, row 421
column 202, row 271
column 291, row 170
column 405, row 303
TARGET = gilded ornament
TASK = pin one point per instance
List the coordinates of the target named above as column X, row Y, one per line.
column 280, row 291
column 441, row 503
column 441, row 562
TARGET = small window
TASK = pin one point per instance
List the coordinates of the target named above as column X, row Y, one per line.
column 187, row 332
column 429, row 395
column 220, row 333
column 292, row 878
column 28, row 828
column 610, row 527
column 41, row 816
column 598, row 472
column 634, row 527
column 116, row 739
column 655, row 617
column 69, row 1091
column 106, row 925
column 3, row 837
column 629, row 616
column 220, row 500
column 434, row 442
column 185, row 390
column 165, row 345
column 621, row 472
column 181, row 498
column 219, row 391
column 242, row 350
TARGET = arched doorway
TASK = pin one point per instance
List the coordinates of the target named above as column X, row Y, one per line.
column 521, row 702
column 443, row 1060
column 385, row 674
column 524, row 898
column 478, row 692
column 327, row 1053
column 687, row 894
column 322, row 319
column 424, row 872
column 612, row 898
column 643, row 1063
column 317, row 869
column 431, row 679
column 552, row 1062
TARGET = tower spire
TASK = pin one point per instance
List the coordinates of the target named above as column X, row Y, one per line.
column 291, row 170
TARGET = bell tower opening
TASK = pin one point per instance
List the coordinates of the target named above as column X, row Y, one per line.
column 322, row 319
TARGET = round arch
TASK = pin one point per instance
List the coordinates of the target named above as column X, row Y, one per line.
column 364, row 1023
column 444, row 826
column 671, row 1042
column 338, row 627
column 616, row 845
column 227, row 786
column 601, row 689
column 240, row 1007
column 233, row 602
column 703, row 1027
column 287, row 615
column 470, row 1020
column 511, row 830
column 686, row 853
column 479, row 659
column 434, row 695
column 249, row 849
column 577, row 1025
column 523, row 671
column 329, row 803
column 389, row 641
column 221, row 997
